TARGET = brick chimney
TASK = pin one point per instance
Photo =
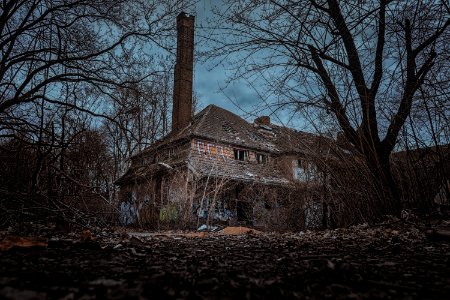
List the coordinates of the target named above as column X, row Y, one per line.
column 182, row 90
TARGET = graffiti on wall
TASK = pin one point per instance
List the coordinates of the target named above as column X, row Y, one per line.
column 211, row 150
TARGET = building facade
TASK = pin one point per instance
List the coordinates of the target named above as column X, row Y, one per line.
column 216, row 167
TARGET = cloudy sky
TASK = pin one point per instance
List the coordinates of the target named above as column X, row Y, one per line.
column 210, row 80
column 210, row 77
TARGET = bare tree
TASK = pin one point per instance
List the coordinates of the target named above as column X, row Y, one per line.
column 62, row 60
column 74, row 76
column 362, row 61
column 45, row 43
column 138, row 118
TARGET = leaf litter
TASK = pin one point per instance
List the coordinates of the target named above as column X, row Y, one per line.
column 399, row 260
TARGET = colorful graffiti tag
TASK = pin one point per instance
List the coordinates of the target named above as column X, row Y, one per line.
column 211, row 150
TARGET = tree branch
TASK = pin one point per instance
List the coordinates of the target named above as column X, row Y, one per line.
column 335, row 104
column 379, row 51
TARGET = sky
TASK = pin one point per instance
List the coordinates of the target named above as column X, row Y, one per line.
column 210, row 78
column 210, row 81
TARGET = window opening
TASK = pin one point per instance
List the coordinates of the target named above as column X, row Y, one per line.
column 240, row 154
column 261, row 158
column 305, row 170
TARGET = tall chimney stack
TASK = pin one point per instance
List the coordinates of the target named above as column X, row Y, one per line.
column 182, row 90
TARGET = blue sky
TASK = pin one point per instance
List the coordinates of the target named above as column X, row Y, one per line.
column 210, row 77
column 210, row 80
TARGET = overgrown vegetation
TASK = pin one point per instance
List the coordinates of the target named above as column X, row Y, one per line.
column 373, row 70
column 74, row 108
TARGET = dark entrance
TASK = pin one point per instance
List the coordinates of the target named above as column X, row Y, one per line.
column 243, row 211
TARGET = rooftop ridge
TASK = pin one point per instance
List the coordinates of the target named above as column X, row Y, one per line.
column 203, row 113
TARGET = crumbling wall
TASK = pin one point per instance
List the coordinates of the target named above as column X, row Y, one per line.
column 137, row 203
column 175, row 209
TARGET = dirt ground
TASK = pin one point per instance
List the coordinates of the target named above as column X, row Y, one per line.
column 391, row 261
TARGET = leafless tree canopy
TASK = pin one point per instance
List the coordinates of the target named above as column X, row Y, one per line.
column 49, row 42
column 83, row 86
column 369, row 63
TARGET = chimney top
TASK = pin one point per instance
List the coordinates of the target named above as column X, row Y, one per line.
column 184, row 15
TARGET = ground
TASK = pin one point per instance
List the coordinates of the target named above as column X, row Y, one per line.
column 389, row 261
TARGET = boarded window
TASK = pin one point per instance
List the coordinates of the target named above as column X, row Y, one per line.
column 211, row 150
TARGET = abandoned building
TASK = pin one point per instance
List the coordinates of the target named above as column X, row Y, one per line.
column 215, row 166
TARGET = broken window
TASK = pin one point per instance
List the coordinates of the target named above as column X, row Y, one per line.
column 243, row 211
column 240, row 154
column 261, row 158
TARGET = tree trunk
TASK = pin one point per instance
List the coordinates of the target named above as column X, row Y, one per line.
column 390, row 199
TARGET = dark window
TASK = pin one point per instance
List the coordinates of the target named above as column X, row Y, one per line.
column 165, row 189
column 243, row 211
column 240, row 154
column 261, row 158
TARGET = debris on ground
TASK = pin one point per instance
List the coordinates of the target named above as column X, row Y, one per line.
column 388, row 261
column 208, row 228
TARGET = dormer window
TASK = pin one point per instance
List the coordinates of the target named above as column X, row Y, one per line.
column 261, row 158
column 240, row 154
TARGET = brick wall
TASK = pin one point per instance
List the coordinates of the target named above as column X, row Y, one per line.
column 182, row 92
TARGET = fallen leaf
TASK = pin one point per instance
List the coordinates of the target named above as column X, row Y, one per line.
column 22, row 242
column 86, row 236
column 238, row 230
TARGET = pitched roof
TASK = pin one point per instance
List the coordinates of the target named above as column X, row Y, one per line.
column 222, row 125
column 218, row 124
